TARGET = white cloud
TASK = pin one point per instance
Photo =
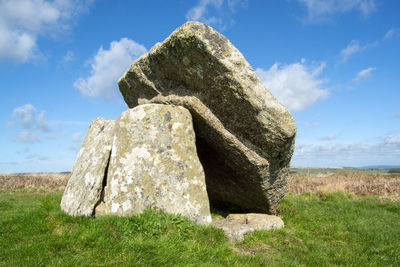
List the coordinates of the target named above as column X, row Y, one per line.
column 28, row 120
column 24, row 115
column 296, row 85
column 363, row 74
column 392, row 140
column 233, row 4
column 22, row 22
column 323, row 10
column 26, row 136
column 42, row 124
column 385, row 151
column 69, row 56
column 77, row 137
column 392, row 33
column 108, row 66
column 200, row 12
column 354, row 47
column 215, row 12
column 350, row 49
column 27, row 117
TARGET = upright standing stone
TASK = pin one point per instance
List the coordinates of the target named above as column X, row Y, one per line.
column 154, row 163
column 245, row 137
column 85, row 185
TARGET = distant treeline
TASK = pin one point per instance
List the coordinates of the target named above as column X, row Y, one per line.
column 394, row 170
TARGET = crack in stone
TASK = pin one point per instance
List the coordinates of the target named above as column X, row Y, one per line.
column 101, row 199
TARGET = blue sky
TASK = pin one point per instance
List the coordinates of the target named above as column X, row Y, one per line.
column 335, row 64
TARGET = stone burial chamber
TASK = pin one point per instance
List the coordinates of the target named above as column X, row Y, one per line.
column 201, row 129
column 245, row 137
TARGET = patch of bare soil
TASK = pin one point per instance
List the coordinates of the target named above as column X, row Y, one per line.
column 358, row 183
column 45, row 181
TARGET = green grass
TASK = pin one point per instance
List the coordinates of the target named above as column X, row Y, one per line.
column 334, row 229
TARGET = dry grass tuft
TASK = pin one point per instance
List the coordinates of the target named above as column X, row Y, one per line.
column 45, row 181
column 387, row 186
column 357, row 183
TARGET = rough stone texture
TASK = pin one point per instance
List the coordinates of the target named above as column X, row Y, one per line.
column 234, row 230
column 258, row 221
column 85, row 185
column 245, row 137
column 154, row 163
column 236, row 226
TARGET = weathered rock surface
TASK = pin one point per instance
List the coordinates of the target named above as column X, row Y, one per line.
column 236, row 226
column 258, row 221
column 234, row 230
column 85, row 185
column 245, row 137
column 154, row 163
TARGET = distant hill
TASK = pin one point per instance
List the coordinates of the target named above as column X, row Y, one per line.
column 380, row 167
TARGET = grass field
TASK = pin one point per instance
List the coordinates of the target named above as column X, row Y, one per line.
column 323, row 228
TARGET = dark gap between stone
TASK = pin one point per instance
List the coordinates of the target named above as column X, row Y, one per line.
column 101, row 199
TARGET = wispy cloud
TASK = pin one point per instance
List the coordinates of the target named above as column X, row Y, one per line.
column 77, row 139
column 23, row 22
column 311, row 125
column 28, row 120
column 328, row 137
column 385, row 150
column 322, row 10
column 42, row 123
column 26, row 116
column 363, row 74
column 296, row 85
column 26, row 136
column 201, row 10
column 215, row 12
column 69, row 56
column 354, row 47
column 108, row 65
column 36, row 157
column 392, row 33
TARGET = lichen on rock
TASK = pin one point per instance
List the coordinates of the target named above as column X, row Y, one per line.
column 154, row 163
column 85, row 185
column 245, row 137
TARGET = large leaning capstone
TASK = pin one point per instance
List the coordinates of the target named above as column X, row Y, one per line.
column 85, row 185
column 245, row 137
column 154, row 163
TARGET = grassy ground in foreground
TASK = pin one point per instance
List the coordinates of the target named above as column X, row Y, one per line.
column 321, row 230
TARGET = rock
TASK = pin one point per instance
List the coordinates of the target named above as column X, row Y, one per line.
column 154, row 163
column 234, row 230
column 236, row 226
column 245, row 137
column 258, row 221
column 85, row 185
